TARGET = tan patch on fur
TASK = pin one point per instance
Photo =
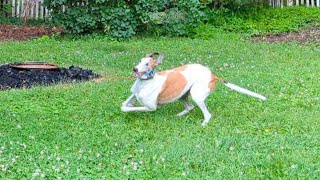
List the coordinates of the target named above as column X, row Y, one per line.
column 212, row 84
column 180, row 68
column 162, row 73
column 174, row 85
column 152, row 64
column 177, row 69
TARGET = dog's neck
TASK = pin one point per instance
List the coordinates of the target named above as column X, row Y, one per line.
column 148, row 75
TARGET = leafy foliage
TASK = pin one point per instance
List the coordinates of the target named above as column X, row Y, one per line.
column 120, row 22
column 122, row 19
column 5, row 9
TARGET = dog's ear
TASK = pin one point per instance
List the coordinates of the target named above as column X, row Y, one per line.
column 152, row 54
column 160, row 58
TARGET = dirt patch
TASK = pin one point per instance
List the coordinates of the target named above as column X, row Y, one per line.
column 22, row 33
column 19, row 78
column 302, row 36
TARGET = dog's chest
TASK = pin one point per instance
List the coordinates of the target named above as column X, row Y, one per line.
column 147, row 91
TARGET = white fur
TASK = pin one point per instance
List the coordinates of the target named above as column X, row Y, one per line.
column 142, row 66
column 198, row 77
column 245, row 91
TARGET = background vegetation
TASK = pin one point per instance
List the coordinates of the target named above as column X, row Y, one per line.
column 177, row 18
column 259, row 19
column 123, row 19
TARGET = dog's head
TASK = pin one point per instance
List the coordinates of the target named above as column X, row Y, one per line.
column 147, row 65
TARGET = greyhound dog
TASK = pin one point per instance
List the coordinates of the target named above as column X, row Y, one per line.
column 152, row 89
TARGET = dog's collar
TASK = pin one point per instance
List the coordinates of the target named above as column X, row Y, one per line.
column 148, row 75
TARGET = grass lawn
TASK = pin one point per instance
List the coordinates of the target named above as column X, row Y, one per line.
column 78, row 131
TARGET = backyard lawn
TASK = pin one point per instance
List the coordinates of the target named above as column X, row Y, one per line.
column 78, row 131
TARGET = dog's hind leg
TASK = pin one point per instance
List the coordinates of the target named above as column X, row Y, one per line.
column 199, row 93
column 187, row 104
column 206, row 113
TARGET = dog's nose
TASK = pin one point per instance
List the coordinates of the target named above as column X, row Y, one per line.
column 135, row 69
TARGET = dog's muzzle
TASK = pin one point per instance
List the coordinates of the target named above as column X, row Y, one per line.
column 137, row 74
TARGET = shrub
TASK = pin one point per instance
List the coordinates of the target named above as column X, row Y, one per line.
column 123, row 18
column 5, row 8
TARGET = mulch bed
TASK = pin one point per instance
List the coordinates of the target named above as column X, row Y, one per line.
column 19, row 78
column 22, row 33
column 302, row 36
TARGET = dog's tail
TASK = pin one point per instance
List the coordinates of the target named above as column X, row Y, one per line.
column 242, row 90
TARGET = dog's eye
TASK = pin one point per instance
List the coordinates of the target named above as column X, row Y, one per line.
column 147, row 64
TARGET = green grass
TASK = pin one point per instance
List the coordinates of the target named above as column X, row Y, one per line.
column 77, row 131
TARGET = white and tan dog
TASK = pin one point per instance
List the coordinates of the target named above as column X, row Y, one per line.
column 152, row 89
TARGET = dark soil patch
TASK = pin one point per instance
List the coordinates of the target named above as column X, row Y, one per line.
column 20, row 78
column 21, row 33
column 303, row 36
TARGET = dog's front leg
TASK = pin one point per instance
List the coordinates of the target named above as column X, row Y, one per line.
column 130, row 109
column 128, row 102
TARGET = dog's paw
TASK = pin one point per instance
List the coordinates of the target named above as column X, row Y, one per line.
column 129, row 104
column 180, row 114
column 204, row 124
column 123, row 108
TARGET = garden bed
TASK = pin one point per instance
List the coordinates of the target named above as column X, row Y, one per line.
column 11, row 77
column 302, row 36
column 21, row 33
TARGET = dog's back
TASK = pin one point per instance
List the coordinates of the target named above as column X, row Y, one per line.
column 181, row 80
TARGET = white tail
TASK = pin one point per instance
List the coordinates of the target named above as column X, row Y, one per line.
column 244, row 91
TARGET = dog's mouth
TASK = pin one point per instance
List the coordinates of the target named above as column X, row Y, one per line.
column 138, row 74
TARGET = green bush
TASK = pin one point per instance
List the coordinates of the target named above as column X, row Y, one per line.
column 5, row 9
column 124, row 18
